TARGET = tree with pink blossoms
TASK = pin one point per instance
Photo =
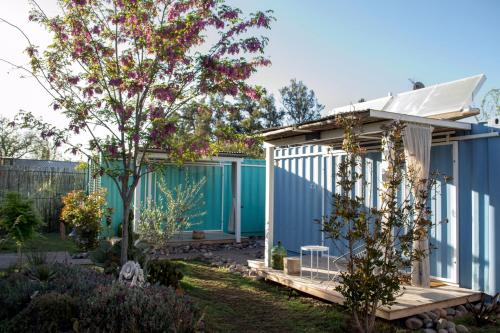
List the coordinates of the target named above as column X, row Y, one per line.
column 122, row 71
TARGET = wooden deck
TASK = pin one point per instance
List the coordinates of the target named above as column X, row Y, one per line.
column 412, row 301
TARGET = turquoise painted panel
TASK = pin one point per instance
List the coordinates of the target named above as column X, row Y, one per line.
column 217, row 193
column 212, row 191
column 253, row 188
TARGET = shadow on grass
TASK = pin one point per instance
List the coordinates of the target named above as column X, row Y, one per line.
column 236, row 304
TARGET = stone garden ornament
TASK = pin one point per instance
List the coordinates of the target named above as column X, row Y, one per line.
column 131, row 274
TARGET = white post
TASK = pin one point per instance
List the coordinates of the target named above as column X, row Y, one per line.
column 236, row 178
column 137, row 205
column 269, row 204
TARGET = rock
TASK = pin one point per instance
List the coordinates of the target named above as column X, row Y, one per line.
column 423, row 316
column 451, row 311
column 443, row 330
column 442, row 324
column 461, row 308
column 451, row 325
column 429, row 330
column 442, row 313
column 450, row 318
column 432, row 315
column 451, row 330
column 462, row 329
column 428, row 323
column 414, row 323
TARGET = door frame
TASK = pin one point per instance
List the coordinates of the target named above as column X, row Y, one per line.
column 454, row 218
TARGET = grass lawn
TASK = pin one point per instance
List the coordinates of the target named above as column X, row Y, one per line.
column 44, row 242
column 236, row 304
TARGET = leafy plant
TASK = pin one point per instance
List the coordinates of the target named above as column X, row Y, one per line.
column 182, row 205
column 107, row 255
column 118, row 308
column 36, row 257
column 76, row 280
column 164, row 272
column 377, row 242
column 15, row 293
column 18, row 219
column 485, row 311
column 42, row 273
column 51, row 312
column 85, row 214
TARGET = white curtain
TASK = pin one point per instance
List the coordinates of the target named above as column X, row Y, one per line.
column 417, row 141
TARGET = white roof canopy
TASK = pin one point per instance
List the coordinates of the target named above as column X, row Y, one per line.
column 450, row 100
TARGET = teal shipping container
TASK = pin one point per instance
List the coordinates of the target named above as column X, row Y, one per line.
column 217, row 194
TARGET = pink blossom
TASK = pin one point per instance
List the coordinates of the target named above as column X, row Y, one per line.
column 115, row 82
column 73, row 79
column 164, row 94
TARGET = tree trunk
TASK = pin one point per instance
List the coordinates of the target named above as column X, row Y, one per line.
column 124, row 242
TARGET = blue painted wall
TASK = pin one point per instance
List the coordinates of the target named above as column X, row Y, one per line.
column 305, row 182
column 217, row 194
column 479, row 212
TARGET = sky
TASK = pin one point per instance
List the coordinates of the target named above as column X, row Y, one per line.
column 343, row 50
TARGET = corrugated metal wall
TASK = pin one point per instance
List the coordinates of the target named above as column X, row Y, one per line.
column 305, row 181
column 479, row 196
column 217, row 193
column 464, row 249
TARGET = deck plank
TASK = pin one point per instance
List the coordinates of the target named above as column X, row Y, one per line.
column 412, row 301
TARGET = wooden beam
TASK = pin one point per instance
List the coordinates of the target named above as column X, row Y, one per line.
column 236, row 185
column 328, row 135
column 269, row 204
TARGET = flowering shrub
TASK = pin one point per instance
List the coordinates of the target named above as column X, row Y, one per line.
column 118, row 308
column 85, row 213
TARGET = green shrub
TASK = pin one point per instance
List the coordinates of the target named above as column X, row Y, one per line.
column 118, row 308
column 50, row 312
column 107, row 256
column 42, row 273
column 164, row 272
column 85, row 213
column 76, row 280
column 18, row 218
column 15, row 293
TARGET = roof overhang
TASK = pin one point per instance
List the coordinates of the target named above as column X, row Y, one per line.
column 326, row 131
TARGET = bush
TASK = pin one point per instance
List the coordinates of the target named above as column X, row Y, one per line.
column 118, row 308
column 164, row 272
column 85, row 214
column 18, row 218
column 50, row 312
column 77, row 281
column 107, row 255
column 179, row 210
column 15, row 294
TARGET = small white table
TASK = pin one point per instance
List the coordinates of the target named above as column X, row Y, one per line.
column 315, row 249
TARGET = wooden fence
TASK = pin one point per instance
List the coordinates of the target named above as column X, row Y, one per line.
column 44, row 185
